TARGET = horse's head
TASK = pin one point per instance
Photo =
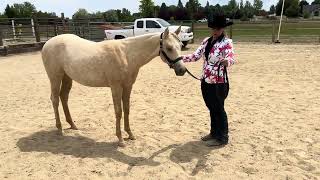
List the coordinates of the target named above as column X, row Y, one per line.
column 170, row 51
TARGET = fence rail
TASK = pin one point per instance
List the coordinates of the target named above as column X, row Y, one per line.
column 22, row 30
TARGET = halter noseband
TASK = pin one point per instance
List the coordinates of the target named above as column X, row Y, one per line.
column 170, row 62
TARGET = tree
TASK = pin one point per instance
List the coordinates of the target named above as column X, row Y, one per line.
column 172, row 12
column 23, row 10
column 146, row 8
column 249, row 10
column 136, row 15
column 156, row 11
column 293, row 9
column 81, row 14
column 301, row 4
column 207, row 9
column 9, row 12
column 164, row 12
column 287, row 4
column 181, row 12
column 315, row 2
column 180, row 5
column 272, row 9
column 111, row 15
column 126, row 15
column 257, row 5
column 193, row 7
column 241, row 4
column 232, row 9
column 41, row 14
column 306, row 15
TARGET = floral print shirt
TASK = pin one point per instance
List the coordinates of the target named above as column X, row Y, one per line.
column 221, row 50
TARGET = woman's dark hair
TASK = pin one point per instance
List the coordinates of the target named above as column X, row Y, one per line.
column 211, row 43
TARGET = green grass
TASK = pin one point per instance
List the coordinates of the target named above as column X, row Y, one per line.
column 301, row 32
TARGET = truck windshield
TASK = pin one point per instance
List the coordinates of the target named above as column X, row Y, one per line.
column 163, row 22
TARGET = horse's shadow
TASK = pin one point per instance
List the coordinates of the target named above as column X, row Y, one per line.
column 83, row 147
column 78, row 146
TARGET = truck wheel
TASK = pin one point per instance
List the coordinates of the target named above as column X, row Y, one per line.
column 119, row 37
column 185, row 43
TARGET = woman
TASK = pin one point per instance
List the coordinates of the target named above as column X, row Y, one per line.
column 218, row 55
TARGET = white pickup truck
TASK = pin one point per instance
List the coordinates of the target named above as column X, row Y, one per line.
column 149, row 25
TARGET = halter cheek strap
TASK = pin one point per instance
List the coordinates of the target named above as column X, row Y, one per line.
column 170, row 61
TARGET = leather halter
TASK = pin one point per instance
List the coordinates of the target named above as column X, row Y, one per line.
column 170, row 62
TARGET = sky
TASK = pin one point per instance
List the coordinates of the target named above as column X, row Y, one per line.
column 71, row 6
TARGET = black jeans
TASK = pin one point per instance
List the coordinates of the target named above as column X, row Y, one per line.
column 214, row 96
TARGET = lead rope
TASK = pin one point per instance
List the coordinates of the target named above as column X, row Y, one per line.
column 193, row 75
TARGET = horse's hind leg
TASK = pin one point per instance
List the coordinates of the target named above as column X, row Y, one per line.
column 55, row 90
column 64, row 96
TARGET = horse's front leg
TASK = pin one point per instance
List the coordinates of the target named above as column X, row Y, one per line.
column 126, row 109
column 116, row 96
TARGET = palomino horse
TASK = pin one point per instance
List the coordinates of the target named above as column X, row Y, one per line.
column 113, row 64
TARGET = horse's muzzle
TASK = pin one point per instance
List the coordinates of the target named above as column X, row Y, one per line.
column 180, row 71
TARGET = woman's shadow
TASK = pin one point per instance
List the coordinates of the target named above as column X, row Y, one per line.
column 83, row 147
column 185, row 153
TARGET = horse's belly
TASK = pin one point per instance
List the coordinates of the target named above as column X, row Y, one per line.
column 88, row 76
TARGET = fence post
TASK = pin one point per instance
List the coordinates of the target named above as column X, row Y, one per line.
column 63, row 22
column 273, row 32
column 36, row 28
column 32, row 26
column 192, row 30
column 1, row 38
column 55, row 27
column 13, row 29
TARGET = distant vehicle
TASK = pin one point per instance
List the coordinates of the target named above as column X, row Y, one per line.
column 149, row 25
column 203, row 20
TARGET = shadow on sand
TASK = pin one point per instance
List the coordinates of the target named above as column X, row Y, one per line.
column 83, row 147
column 78, row 146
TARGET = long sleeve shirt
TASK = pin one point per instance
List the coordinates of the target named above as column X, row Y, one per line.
column 221, row 50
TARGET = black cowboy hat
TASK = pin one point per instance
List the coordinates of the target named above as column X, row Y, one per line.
column 218, row 20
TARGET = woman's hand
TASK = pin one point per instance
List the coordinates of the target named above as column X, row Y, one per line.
column 225, row 62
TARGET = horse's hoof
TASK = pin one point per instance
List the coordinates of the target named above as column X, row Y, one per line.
column 132, row 137
column 121, row 144
column 74, row 128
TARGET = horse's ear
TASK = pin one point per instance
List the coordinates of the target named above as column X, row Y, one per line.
column 166, row 33
column 177, row 32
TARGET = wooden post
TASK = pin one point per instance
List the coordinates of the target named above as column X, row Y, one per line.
column 63, row 22
column 273, row 32
column 55, row 28
column 89, row 30
column 231, row 31
column 32, row 26
column 13, row 29
column 192, row 30
column 1, row 38
column 36, row 28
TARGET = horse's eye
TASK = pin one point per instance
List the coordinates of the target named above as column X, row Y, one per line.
column 169, row 49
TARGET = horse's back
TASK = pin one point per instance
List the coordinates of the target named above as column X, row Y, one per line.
column 82, row 60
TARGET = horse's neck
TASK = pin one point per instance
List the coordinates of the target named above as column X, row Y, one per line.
column 141, row 50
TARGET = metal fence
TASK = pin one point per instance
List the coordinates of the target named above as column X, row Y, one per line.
column 292, row 31
column 22, row 30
